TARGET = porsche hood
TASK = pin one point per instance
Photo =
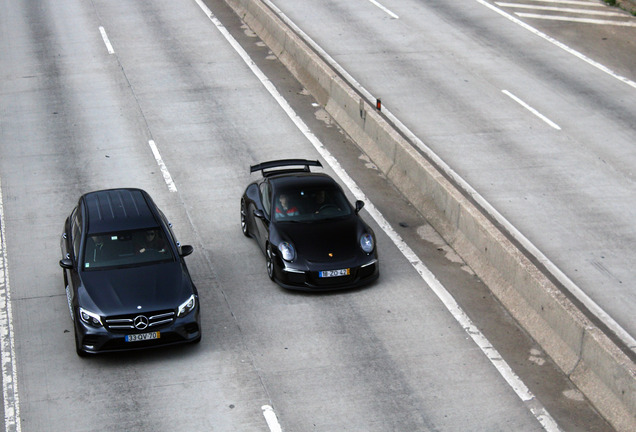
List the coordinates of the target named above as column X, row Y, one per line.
column 324, row 241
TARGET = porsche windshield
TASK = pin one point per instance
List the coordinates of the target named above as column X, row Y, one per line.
column 126, row 248
column 310, row 204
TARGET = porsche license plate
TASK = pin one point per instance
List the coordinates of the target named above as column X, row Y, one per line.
column 334, row 273
column 142, row 337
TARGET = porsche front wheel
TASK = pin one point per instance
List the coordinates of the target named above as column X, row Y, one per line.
column 269, row 261
column 244, row 228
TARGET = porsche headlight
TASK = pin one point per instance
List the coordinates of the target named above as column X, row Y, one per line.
column 187, row 306
column 366, row 242
column 287, row 251
column 90, row 318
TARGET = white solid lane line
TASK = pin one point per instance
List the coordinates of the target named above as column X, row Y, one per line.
column 532, row 110
column 578, row 20
column 572, row 2
column 7, row 344
column 557, row 43
column 522, row 391
column 561, row 9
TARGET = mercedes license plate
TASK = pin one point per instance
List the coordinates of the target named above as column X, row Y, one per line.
column 142, row 337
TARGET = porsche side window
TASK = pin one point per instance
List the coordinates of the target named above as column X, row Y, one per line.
column 266, row 197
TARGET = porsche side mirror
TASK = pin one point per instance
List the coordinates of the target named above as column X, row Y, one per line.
column 66, row 263
column 259, row 214
column 186, row 250
column 359, row 205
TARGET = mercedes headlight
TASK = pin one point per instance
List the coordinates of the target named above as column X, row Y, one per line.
column 90, row 318
column 187, row 306
column 287, row 251
column 366, row 243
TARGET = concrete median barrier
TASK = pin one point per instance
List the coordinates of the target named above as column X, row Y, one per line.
column 594, row 363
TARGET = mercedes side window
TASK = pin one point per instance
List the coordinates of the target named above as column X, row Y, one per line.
column 76, row 236
column 168, row 225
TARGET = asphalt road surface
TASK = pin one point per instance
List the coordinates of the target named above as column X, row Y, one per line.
column 86, row 89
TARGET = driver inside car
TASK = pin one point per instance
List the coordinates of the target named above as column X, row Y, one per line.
column 322, row 201
column 285, row 208
column 151, row 240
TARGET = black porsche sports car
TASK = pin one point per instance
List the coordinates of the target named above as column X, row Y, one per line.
column 126, row 281
column 311, row 235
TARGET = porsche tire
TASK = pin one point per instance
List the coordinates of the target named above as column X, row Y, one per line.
column 244, row 227
column 269, row 262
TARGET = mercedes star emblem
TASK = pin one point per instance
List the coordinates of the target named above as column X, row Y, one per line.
column 141, row 322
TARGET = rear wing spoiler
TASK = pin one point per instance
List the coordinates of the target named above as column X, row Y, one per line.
column 263, row 166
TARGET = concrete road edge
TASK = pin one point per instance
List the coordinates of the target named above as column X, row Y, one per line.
column 627, row 5
column 594, row 363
